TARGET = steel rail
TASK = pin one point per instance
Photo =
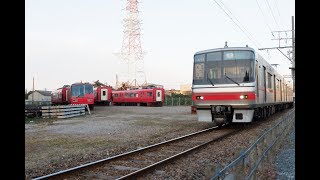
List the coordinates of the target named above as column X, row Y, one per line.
column 100, row 162
column 153, row 166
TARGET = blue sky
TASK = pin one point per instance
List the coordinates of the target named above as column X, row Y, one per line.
column 69, row 41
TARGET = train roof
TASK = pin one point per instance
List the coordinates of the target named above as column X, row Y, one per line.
column 134, row 90
column 224, row 49
column 77, row 83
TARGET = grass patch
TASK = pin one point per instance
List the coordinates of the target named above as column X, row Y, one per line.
column 39, row 120
column 64, row 144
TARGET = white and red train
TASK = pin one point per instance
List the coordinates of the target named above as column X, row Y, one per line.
column 77, row 93
column 141, row 97
column 102, row 95
column 236, row 85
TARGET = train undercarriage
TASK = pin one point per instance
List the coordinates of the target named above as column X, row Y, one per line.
column 222, row 114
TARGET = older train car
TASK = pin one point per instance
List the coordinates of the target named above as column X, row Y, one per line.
column 82, row 93
column 139, row 97
column 102, row 95
column 77, row 93
column 61, row 95
column 235, row 84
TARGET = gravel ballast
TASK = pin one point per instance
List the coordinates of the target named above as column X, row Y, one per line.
column 58, row 144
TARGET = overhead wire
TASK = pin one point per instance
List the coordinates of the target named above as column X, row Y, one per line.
column 264, row 18
column 242, row 29
column 252, row 39
column 272, row 14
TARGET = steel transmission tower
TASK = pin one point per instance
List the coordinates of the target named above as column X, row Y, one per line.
column 131, row 50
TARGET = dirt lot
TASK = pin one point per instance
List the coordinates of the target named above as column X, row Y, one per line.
column 52, row 145
column 56, row 144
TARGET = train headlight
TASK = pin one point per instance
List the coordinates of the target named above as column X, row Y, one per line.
column 199, row 97
column 243, row 96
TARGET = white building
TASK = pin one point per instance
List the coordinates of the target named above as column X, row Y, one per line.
column 39, row 97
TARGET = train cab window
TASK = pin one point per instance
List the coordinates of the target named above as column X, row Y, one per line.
column 149, row 94
column 103, row 93
column 88, row 89
column 198, row 70
column 158, row 94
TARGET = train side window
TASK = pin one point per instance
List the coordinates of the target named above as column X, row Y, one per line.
column 149, row 94
column 269, row 81
column 115, row 95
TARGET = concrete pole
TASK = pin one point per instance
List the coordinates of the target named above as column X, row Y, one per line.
column 32, row 89
column 293, row 57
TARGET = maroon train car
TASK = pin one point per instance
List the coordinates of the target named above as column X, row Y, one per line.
column 77, row 93
column 139, row 97
column 102, row 95
column 82, row 93
column 61, row 96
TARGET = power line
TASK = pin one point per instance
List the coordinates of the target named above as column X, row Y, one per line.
column 273, row 14
column 239, row 22
column 264, row 18
column 253, row 41
column 276, row 5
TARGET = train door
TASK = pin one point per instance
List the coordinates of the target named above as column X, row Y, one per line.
column 158, row 95
column 264, row 84
column 104, row 94
column 67, row 96
column 274, row 88
column 257, row 79
column 285, row 93
column 280, row 91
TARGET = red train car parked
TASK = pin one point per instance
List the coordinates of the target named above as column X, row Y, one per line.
column 139, row 97
column 102, row 95
column 82, row 93
column 77, row 93
column 61, row 95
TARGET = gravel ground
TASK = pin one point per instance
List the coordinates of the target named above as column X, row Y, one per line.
column 285, row 161
column 57, row 144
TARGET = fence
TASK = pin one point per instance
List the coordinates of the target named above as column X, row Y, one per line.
column 249, row 161
column 178, row 101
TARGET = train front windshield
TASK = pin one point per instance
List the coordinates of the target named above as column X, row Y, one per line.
column 81, row 89
column 223, row 67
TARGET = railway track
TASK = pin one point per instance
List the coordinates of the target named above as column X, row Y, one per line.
column 143, row 160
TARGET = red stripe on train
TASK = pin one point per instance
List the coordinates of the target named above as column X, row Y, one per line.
column 224, row 96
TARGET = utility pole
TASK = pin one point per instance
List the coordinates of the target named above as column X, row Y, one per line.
column 292, row 59
column 32, row 89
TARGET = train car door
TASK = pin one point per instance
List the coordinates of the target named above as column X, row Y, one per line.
column 104, row 94
column 158, row 95
column 265, row 84
column 274, row 88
